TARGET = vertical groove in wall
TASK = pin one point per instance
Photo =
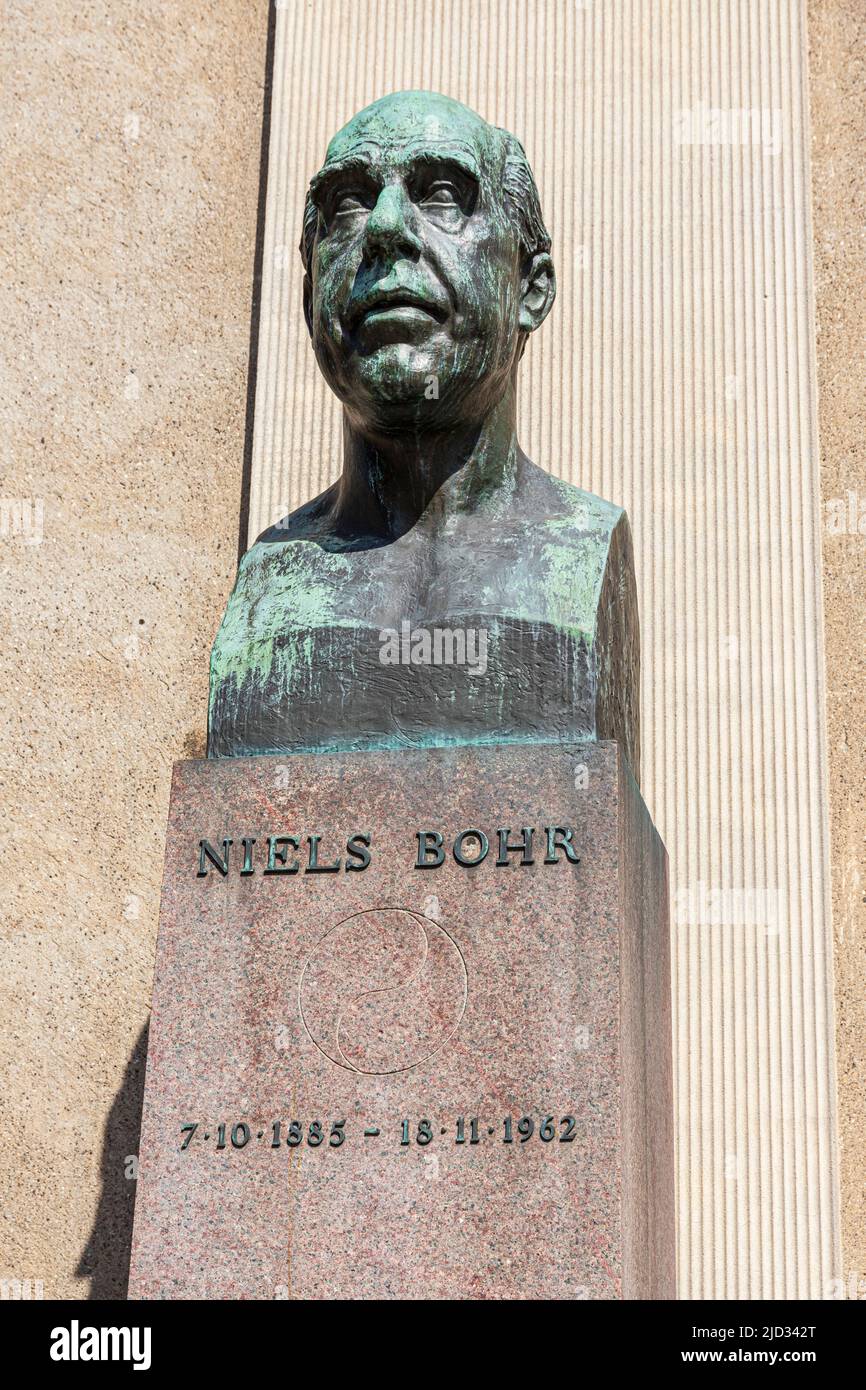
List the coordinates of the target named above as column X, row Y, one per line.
column 675, row 376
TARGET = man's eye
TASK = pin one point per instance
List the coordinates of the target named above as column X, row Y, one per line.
column 350, row 201
column 442, row 195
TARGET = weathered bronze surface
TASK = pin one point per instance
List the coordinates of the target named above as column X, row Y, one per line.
column 445, row 590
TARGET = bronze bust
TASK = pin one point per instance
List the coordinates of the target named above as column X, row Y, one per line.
column 445, row 590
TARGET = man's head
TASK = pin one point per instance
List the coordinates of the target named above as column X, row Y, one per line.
column 427, row 263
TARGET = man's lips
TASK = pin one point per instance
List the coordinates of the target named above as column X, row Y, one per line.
column 388, row 301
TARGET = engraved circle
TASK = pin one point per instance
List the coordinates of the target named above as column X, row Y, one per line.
column 383, row 991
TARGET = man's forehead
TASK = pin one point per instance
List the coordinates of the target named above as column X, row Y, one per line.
column 414, row 124
column 368, row 154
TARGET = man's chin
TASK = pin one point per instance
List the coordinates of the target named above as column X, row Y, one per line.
column 399, row 375
column 407, row 386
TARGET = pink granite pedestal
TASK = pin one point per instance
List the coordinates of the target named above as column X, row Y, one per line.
column 450, row 1081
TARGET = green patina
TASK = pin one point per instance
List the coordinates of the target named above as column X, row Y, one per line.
column 285, row 592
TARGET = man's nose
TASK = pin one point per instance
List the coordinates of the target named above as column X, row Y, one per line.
column 390, row 230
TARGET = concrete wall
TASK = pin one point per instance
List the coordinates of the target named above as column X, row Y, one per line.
column 133, row 135
column 837, row 63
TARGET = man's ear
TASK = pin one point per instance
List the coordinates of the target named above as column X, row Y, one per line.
column 308, row 304
column 537, row 291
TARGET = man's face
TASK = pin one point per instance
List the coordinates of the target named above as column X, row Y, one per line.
column 416, row 268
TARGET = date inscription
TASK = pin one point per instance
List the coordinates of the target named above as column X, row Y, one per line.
column 332, row 1134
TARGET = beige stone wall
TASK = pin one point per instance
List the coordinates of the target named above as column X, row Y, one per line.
column 133, row 138
column 131, row 142
column 837, row 59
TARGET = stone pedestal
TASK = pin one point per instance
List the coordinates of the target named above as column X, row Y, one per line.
column 381, row 1069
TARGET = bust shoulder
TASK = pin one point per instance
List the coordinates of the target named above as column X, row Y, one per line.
column 549, row 578
column 555, row 500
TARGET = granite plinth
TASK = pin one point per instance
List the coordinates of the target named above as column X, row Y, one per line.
column 449, row 1081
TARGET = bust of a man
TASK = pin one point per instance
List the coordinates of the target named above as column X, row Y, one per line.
column 445, row 589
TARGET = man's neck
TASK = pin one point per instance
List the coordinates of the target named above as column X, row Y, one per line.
column 392, row 484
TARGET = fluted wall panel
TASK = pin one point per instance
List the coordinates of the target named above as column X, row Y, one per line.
column 675, row 376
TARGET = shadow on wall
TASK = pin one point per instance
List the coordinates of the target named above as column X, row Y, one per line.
column 105, row 1258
